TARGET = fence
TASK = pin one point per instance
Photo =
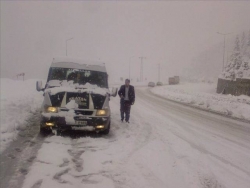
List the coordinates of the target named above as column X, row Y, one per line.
column 238, row 87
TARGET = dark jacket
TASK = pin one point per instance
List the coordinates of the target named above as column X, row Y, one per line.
column 131, row 93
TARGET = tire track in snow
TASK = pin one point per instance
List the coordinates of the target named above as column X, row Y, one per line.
column 58, row 176
column 26, row 146
column 142, row 134
column 141, row 130
column 37, row 184
column 206, row 180
column 202, row 148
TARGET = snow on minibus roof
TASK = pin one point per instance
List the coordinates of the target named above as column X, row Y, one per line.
column 66, row 62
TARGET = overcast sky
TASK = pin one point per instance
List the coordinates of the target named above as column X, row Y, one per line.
column 170, row 33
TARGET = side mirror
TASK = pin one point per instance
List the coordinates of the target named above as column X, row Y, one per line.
column 39, row 86
column 114, row 92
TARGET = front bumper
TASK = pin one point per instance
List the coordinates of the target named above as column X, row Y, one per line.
column 92, row 123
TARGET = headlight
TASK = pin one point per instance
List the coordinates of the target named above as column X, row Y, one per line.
column 99, row 126
column 50, row 124
column 52, row 109
column 102, row 112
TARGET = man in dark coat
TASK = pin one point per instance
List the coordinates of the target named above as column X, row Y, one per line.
column 127, row 95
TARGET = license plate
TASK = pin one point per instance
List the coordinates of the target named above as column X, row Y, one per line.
column 81, row 122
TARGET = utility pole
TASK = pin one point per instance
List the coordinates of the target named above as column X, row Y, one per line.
column 159, row 72
column 141, row 73
column 129, row 65
column 224, row 47
column 67, row 45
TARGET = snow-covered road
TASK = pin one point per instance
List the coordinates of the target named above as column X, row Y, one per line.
column 165, row 145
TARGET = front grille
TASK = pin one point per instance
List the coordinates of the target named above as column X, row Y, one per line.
column 85, row 112
column 64, row 109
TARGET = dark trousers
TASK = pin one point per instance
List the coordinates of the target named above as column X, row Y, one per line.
column 125, row 108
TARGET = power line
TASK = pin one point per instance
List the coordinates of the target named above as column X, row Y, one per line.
column 224, row 47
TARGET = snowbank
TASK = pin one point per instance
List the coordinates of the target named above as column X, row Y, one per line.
column 204, row 96
column 19, row 99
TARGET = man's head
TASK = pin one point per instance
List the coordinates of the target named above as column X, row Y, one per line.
column 127, row 82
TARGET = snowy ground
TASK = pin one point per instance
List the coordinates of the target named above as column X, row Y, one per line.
column 157, row 149
column 19, row 100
